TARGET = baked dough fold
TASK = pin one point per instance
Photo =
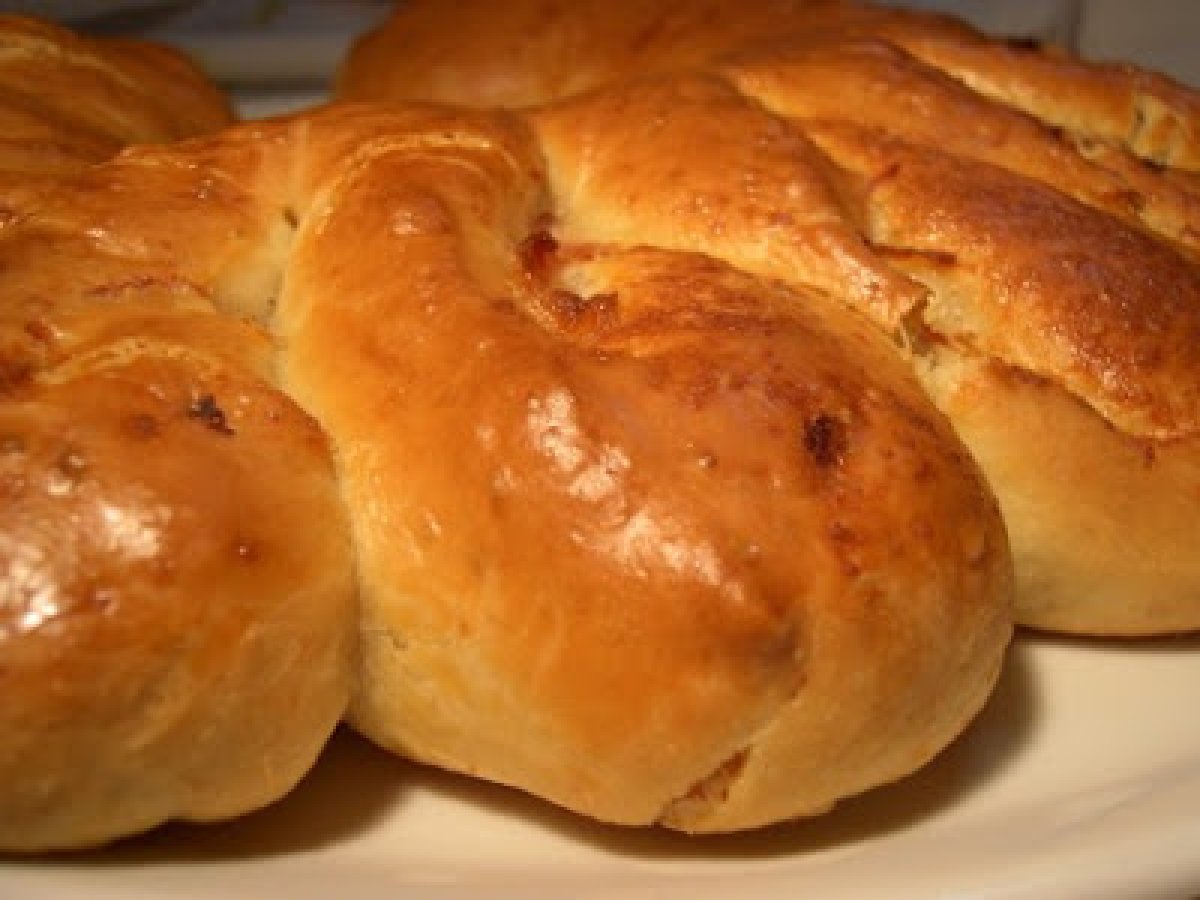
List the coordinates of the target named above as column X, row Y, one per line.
column 1022, row 222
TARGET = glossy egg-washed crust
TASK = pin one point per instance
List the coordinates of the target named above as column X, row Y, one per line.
column 1025, row 222
column 67, row 101
column 176, row 589
column 658, row 537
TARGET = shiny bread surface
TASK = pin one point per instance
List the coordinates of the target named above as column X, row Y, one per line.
column 1023, row 222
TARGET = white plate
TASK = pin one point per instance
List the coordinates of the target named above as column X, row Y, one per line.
column 1081, row 779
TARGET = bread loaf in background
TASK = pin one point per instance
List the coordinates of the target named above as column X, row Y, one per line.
column 1021, row 222
column 177, row 618
column 655, row 535
column 68, row 100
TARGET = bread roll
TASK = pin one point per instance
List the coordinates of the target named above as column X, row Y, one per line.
column 67, row 101
column 530, row 52
column 652, row 535
column 177, row 616
column 1024, row 223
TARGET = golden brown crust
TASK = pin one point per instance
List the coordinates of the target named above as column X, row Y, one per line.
column 1015, row 276
column 1152, row 116
column 176, row 629
column 1127, row 513
column 511, row 415
column 524, row 54
column 66, row 100
column 621, row 164
column 634, row 528
column 995, row 205
column 639, row 532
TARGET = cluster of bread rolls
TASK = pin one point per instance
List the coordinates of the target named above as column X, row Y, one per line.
column 639, row 449
column 1024, row 222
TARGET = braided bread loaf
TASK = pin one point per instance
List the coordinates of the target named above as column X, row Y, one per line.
column 1025, row 224
column 656, row 537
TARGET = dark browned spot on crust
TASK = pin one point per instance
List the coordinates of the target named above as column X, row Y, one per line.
column 648, row 35
column 13, row 486
column 71, row 463
column 568, row 306
column 1130, row 198
column 99, row 600
column 847, row 543
column 841, row 533
column 205, row 409
column 825, row 440
column 139, row 283
column 14, row 375
column 571, row 310
column 142, row 426
column 536, row 252
column 925, row 472
column 290, row 217
column 39, row 331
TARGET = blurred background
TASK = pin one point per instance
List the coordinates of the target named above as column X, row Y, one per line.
column 278, row 54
